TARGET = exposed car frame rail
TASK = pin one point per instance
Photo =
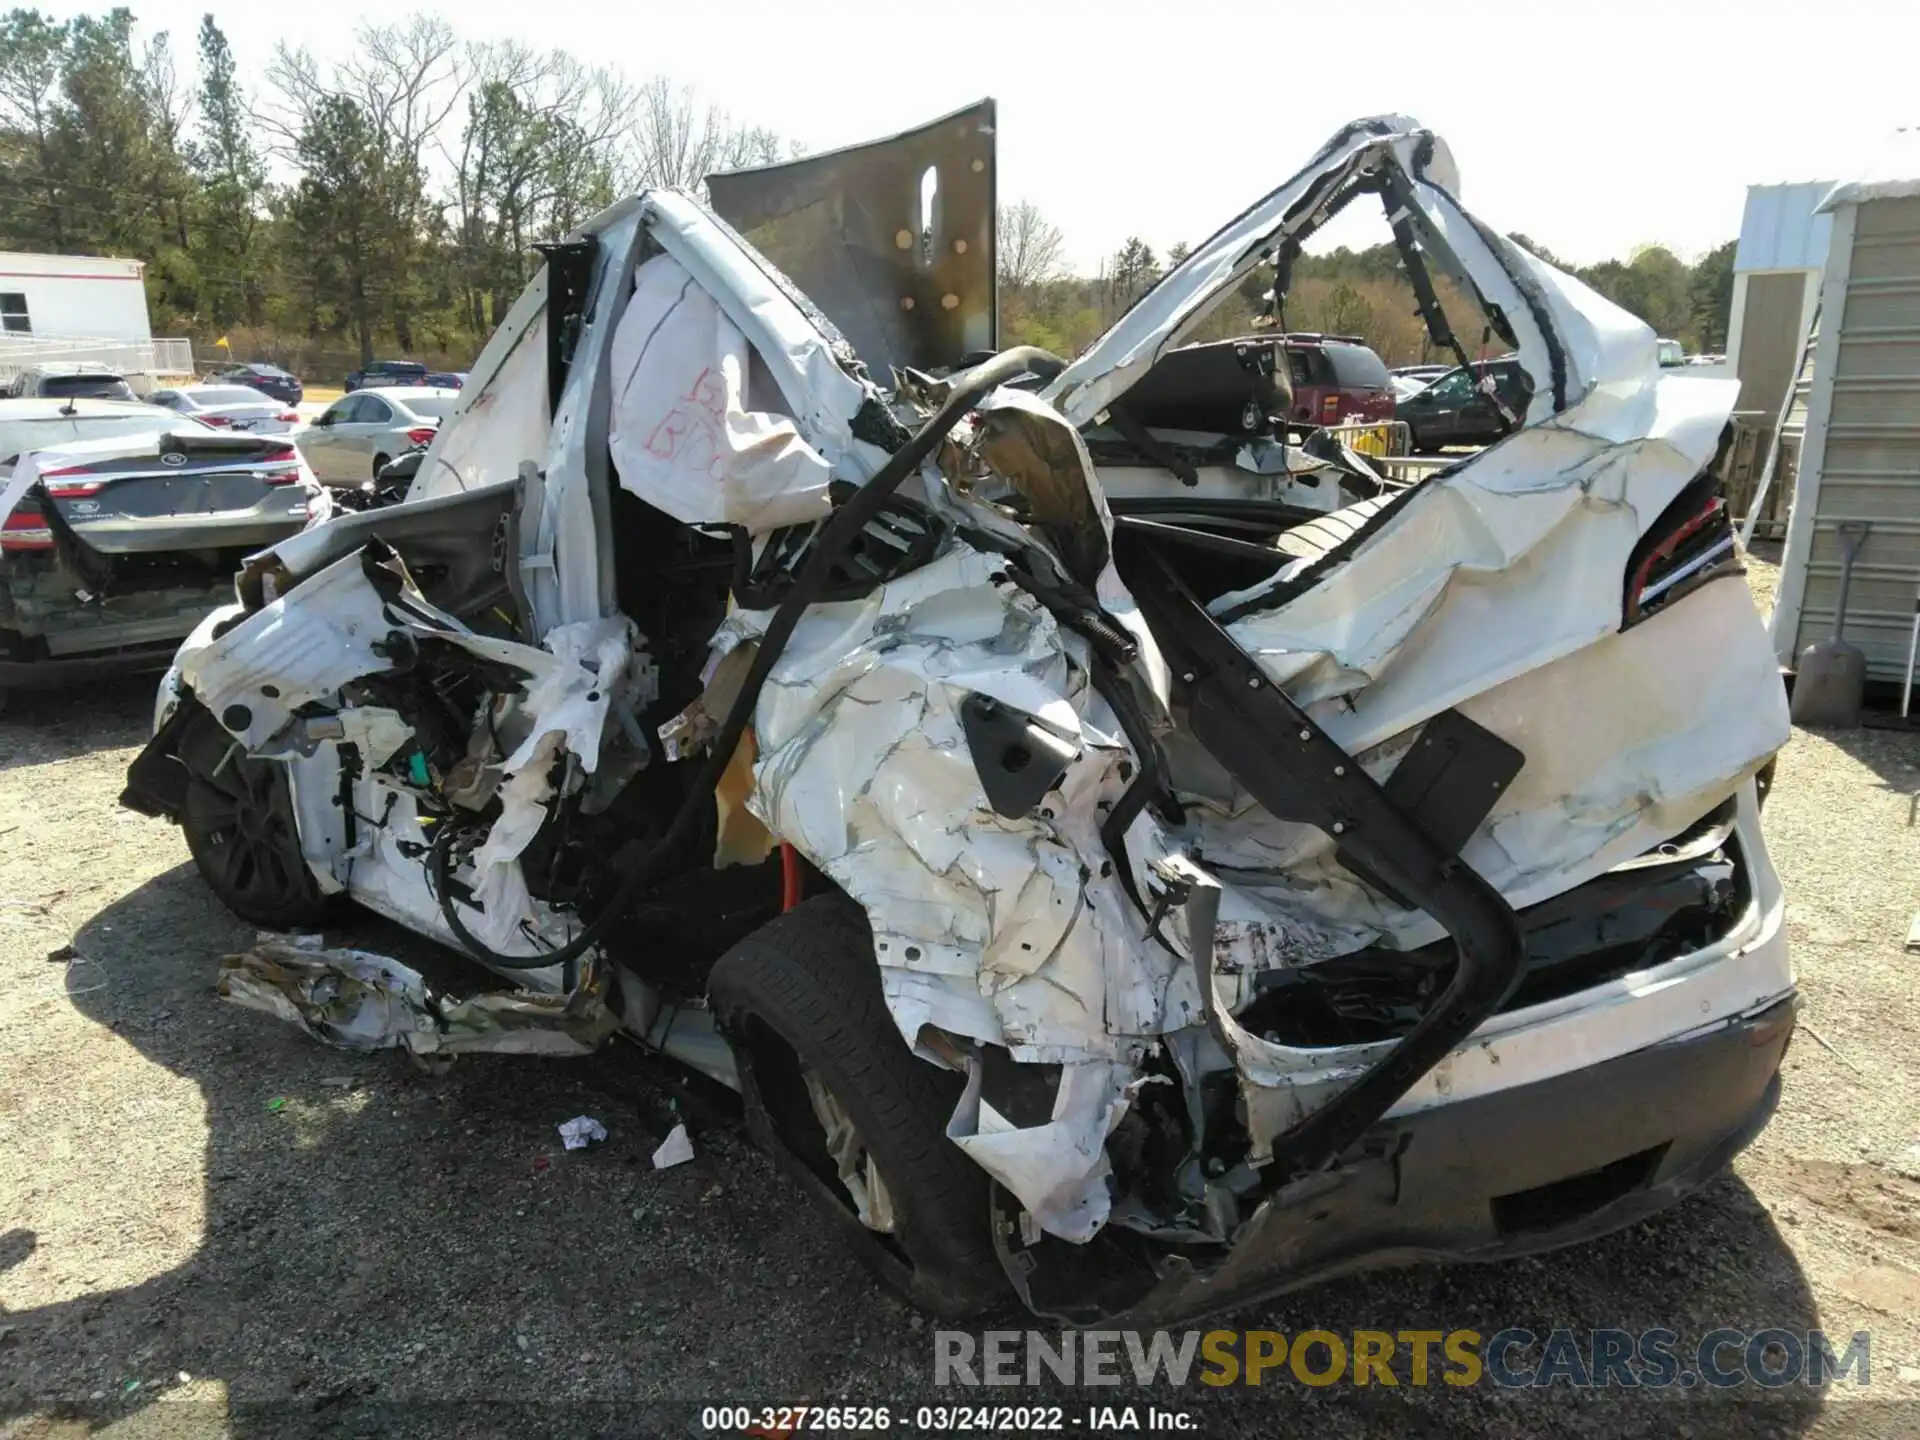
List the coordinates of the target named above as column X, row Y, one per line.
column 1294, row 770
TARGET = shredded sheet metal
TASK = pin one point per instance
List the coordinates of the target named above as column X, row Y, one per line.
column 357, row 1000
column 1494, row 588
column 335, row 628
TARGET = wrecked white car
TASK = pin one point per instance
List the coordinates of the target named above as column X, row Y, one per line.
column 1144, row 896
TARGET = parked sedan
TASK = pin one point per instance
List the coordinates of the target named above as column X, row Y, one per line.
column 1464, row 406
column 359, row 433
column 267, row 379
column 229, row 407
column 121, row 526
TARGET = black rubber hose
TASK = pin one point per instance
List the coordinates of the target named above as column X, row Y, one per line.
column 839, row 531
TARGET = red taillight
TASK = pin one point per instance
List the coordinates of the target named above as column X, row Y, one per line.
column 25, row 530
column 288, row 417
column 289, row 476
column 76, row 490
column 219, row 422
column 1330, row 408
column 72, row 489
column 420, row 435
column 274, row 457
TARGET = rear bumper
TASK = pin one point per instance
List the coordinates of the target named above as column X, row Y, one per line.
column 1510, row 1172
column 266, row 524
column 58, row 673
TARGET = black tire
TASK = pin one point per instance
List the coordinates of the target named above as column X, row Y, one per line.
column 240, row 829
column 380, row 462
column 803, row 993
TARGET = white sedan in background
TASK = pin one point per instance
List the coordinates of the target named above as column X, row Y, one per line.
column 359, row 433
column 229, row 407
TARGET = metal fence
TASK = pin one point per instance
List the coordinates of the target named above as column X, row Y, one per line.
column 1389, row 444
column 155, row 358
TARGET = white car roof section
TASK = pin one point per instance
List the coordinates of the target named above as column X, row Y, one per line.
column 1569, row 339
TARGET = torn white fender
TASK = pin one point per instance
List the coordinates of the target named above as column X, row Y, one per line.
column 1001, row 930
column 1058, row 1169
column 564, row 713
column 337, row 627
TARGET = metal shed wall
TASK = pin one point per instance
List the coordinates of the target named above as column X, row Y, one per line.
column 1862, row 455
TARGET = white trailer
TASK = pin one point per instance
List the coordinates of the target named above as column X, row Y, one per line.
column 64, row 309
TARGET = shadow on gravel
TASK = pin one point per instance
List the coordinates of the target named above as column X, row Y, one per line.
column 1892, row 755
column 390, row 1253
column 38, row 726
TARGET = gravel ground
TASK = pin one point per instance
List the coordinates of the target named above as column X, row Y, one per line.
column 211, row 1224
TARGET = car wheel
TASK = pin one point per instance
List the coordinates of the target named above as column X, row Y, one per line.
column 833, row 1091
column 240, row 829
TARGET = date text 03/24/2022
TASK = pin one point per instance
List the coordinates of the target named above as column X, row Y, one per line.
column 775, row 1422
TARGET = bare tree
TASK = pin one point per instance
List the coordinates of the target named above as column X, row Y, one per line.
column 678, row 142
column 172, row 100
column 407, row 78
column 1029, row 246
column 534, row 158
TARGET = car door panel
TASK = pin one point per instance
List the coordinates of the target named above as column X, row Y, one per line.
column 372, row 419
column 321, row 442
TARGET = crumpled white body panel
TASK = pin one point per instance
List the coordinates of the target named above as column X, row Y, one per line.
column 997, row 929
column 322, row 635
column 1496, row 589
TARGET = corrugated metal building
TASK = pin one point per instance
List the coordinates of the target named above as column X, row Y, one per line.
column 1784, row 236
column 1861, row 457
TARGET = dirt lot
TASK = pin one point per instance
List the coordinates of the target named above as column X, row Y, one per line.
column 211, row 1224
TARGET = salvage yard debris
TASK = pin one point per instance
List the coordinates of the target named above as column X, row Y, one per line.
column 676, row 1149
column 1151, row 841
column 358, row 1000
column 581, row 1131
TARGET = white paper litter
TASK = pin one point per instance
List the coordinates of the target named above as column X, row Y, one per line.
column 676, row 1149
column 581, row 1131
